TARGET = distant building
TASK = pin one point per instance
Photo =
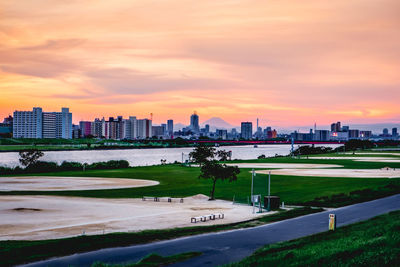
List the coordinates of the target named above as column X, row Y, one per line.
column 246, row 130
column 365, row 134
column 144, row 129
column 336, row 127
column 6, row 128
column 354, row 134
column 194, row 123
column 157, row 131
column 97, row 128
column 321, row 135
column 385, row 132
column 86, row 128
column 39, row 124
column 394, row 133
column 130, row 128
column 207, row 128
column 170, row 127
column 222, row 134
column 339, row 136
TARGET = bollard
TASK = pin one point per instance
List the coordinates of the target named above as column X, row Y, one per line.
column 283, row 204
column 332, row 222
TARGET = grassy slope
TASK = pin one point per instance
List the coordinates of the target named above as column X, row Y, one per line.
column 375, row 242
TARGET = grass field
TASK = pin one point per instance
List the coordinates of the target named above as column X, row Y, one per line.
column 179, row 181
column 375, row 242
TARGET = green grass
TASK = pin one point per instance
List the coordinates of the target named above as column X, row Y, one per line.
column 375, row 242
column 18, row 252
column 177, row 181
column 153, row 260
column 346, row 163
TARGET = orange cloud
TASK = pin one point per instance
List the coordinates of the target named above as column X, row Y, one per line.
column 286, row 62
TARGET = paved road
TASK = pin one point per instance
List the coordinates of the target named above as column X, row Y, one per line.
column 231, row 246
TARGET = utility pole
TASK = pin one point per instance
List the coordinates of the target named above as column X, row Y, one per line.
column 252, row 183
column 269, row 191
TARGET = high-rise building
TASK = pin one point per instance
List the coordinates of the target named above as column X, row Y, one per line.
column 354, row 134
column 97, row 128
column 64, row 123
column 365, row 134
column 144, row 129
column 394, row 132
column 49, row 125
column 157, row 131
column 385, row 132
column 321, row 135
column 86, row 128
column 222, row 134
column 39, row 124
column 246, row 130
column 28, row 124
column 207, row 128
column 194, row 123
column 170, row 127
column 336, row 127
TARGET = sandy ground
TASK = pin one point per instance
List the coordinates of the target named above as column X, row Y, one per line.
column 366, row 159
column 50, row 183
column 353, row 173
column 47, row 217
column 374, row 153
column 283, row 165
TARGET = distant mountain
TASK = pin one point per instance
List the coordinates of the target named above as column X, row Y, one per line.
column 179, row 126
column 217, row 123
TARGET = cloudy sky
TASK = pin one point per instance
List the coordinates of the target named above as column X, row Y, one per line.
column 286, row 62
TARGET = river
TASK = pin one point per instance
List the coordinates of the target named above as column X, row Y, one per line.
column 145, row 157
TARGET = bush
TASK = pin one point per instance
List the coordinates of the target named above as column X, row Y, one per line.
column 310, row 150
column 44, row 166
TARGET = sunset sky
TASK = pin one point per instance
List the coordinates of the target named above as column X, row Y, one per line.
column 289, row 63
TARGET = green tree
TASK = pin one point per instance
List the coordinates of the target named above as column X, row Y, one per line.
column 223, row 155
column 215, row 171
column 202, row 154
column 30, row 157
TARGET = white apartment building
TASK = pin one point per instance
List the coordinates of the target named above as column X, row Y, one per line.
column 39, row 124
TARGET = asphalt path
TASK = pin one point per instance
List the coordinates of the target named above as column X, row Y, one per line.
column 231, row 246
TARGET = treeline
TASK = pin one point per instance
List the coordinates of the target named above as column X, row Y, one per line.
column 45, row 166
column 351, row 145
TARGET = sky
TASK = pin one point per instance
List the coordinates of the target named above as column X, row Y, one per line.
column 289, row 63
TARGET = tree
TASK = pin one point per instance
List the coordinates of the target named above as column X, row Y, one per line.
column 223, row 155
column 216, row 171
column 202, row 153
column 30, row 157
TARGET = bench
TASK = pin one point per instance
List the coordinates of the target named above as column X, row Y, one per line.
column 196, row 219
column 207, row 217
column 158, row 199
column 155, row 199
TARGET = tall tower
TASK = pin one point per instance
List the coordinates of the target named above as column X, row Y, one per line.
column 194, row 122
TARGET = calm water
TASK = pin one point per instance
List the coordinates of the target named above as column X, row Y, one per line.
column 143, row 157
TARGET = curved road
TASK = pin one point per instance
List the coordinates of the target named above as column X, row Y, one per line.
column 231, row 246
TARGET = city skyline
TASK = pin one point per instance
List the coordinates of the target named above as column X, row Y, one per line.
column 284, row 62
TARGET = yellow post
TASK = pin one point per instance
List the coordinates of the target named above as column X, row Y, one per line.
column 332, row 222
